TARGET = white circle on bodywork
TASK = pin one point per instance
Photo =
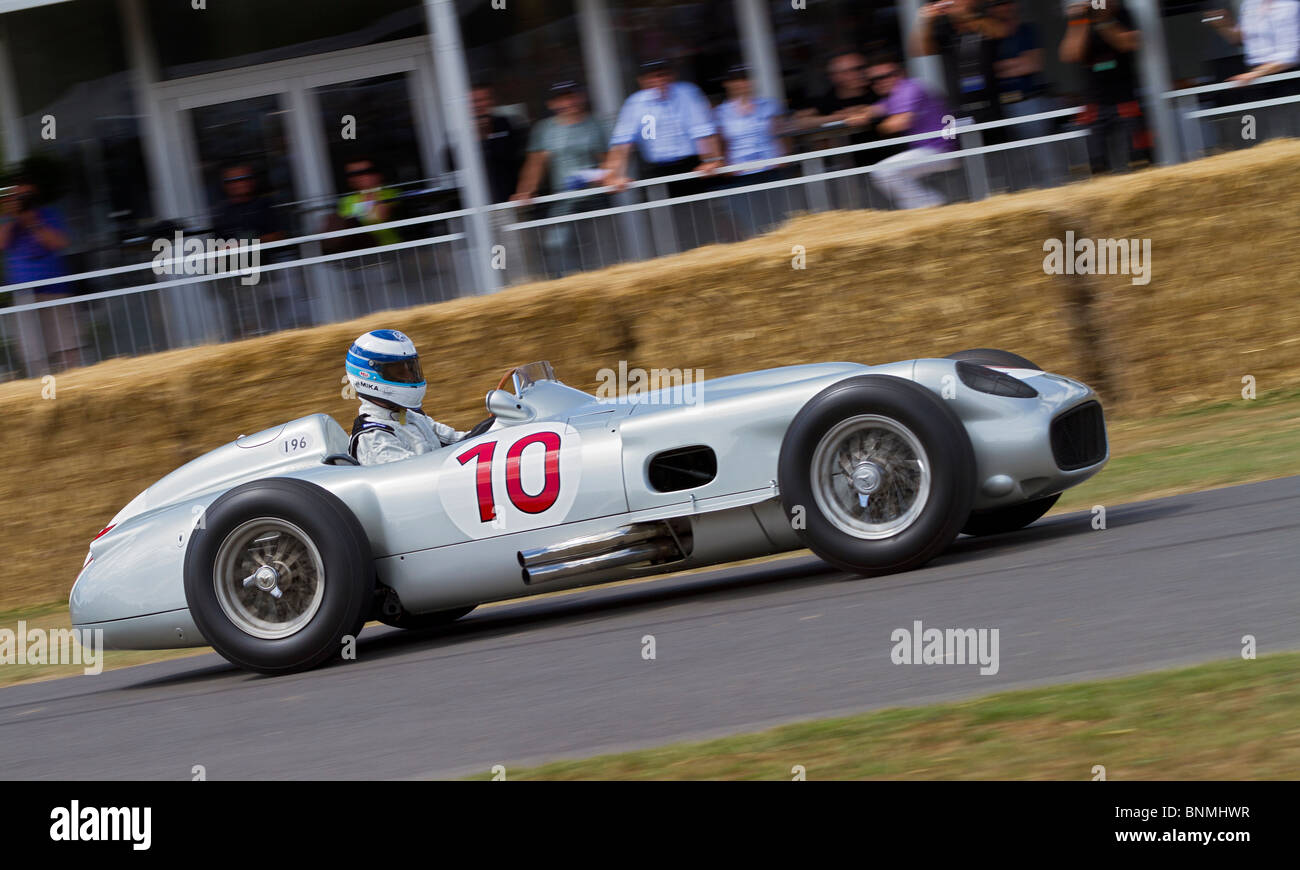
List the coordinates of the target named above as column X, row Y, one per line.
column 462, row 497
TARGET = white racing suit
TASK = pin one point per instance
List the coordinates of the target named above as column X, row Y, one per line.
column 380, row 435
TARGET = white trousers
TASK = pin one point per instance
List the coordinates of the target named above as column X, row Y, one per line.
column 900, row 176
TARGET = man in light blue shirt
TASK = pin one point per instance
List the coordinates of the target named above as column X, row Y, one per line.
column 748, row 125
column 671, row 125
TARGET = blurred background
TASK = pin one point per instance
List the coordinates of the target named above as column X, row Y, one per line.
column 392, row 153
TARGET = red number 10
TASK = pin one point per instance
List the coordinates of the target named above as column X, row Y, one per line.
column 530, row 503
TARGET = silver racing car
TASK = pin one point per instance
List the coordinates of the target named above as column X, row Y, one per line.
column 276, row 547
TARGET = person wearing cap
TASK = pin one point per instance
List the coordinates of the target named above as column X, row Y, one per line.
column 748, row 126
column 568, row 148
column 671, row 125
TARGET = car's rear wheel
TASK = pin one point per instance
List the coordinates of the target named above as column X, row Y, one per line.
column 876, row 474
column 417, row 621
column 990, row 356
column 1008, row 519
column 278, row 574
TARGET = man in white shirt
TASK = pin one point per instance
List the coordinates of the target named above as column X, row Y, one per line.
column 671, row 125
column 1269, row 32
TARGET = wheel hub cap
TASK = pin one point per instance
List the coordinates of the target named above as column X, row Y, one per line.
column 269, row 578
column 866, row 477
column 871, row 476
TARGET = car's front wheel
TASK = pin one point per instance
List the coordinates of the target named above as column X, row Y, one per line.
column 277, row 574
column 876, row 474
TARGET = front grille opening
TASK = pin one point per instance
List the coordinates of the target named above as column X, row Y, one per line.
column 683, row 468
column 1079, row 437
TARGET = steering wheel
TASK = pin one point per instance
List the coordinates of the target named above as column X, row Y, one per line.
column 501, row 384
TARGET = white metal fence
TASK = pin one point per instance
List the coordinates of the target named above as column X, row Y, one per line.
column 130, row 310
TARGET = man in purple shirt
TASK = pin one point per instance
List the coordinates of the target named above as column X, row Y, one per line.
column 906, row 108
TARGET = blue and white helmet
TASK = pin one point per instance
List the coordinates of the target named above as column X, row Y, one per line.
column 383, row 364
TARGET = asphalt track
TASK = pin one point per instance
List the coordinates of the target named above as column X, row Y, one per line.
column 1168, row 582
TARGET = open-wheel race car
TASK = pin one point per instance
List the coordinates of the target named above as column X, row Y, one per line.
column 276, row 547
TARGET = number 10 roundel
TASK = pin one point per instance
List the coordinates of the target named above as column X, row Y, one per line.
column 512, row 480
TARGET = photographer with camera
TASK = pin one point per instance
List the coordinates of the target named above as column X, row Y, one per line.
column 966, row 37
column 1105, row 42
column 33, row 238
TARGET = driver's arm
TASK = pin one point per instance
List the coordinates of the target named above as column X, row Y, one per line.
column 446, row 434
column 377, row 445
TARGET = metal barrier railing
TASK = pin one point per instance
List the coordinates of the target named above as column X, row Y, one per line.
column 1202, row 114
column 302, row 286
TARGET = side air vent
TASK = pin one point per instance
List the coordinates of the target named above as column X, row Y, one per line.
column 994, row 382
column 682, row 468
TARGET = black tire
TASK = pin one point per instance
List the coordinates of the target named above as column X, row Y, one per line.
column 951, row 466
column 417, row 621
column 989, row 356
column 1008, row 519
column 345, row 563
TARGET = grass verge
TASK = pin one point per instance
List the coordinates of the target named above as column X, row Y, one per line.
column 1225, row 720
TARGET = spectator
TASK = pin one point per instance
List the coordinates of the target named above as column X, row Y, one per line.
column 848, row 101
column 1269, row 32
column 1021, row 89
column 246, row 215
column 748, row 126
column 33, row 238
column 747, row 123
column 1105, row 43
column 908, row 109
column 966, row 39
column 672, row 126
column 502, row 143
column 569, row 146
column 369, row 202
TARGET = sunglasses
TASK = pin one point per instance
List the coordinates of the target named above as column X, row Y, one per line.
column 230, row 178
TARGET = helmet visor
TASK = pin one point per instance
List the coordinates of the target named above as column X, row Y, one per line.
column 406, row 371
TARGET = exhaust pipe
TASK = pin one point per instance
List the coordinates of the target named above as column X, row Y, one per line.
column 639, row 544
column 590, row 545
column 638, row 554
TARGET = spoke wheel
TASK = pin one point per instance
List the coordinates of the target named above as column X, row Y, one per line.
column 279, row 575
column 872, row 476
column 269, row 578
column 876, row 474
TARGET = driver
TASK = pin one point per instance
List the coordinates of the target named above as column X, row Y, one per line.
column 384, row 369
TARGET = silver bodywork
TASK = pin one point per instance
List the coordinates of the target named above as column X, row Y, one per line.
column 435, row 549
